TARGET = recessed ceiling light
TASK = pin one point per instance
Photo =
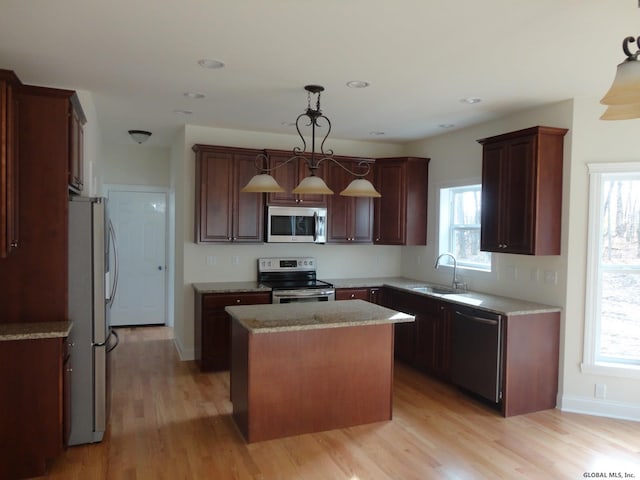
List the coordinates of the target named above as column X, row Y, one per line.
column 183, row 112
column 471, row 100
column 446, row 125
column 194, row 95
column 357, row 84
column 208, row 63
column 376, row 134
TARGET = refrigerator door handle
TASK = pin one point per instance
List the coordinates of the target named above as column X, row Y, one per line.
column 115, row 334
column 114, row 288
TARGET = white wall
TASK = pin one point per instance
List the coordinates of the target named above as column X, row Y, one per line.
column 136, row 165
column 333, row 260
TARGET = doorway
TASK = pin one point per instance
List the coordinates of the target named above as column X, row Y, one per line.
column 139, row 217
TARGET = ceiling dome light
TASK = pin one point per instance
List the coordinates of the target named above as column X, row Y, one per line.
column 139, row 136
column 209, row 63
column 358, row 84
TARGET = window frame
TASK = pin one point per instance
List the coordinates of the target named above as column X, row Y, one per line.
column 445, row 230
column 598, row 172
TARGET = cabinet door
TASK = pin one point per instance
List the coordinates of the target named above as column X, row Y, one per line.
column 247, row 211
column 350, row 219
column 8, row 163
column 492, row 159
column 390, row 214
column 375, row 296
column 214, row 174
column 518, row 179
column 426, row 342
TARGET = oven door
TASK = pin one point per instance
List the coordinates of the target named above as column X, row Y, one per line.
column 303, row 295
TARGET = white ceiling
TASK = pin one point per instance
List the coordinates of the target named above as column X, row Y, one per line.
column 420, row 56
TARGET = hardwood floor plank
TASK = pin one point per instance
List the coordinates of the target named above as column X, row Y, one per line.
column 170, row 421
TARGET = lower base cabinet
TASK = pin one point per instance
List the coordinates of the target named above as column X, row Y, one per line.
column 213, row 326
column 34, row 405
column 530, row 349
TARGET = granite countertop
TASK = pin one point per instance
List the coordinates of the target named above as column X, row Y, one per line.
column 30, row 331
column 314, row 315
column 493, row 303
column 229, row 287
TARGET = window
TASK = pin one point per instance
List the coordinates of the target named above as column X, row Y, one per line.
column 612, row 333
column 460, row 226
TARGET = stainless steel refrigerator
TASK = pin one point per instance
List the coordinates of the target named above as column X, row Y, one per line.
column 92, row 249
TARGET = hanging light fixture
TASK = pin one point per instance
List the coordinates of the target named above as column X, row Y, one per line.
column 312, row 184
column 623, row 98
column 139, row 136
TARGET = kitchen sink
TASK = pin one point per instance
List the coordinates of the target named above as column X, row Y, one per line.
column 434, row 289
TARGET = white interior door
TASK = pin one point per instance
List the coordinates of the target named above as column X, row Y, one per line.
column 139, row 221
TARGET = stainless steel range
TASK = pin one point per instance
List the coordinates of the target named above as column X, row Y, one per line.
column 293, row 279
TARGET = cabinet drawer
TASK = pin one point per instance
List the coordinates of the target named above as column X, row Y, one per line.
column 221, row 300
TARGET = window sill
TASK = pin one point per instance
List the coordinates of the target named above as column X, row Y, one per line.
column 611, row 369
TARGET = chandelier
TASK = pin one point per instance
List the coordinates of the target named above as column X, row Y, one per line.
column 312, row 184
column 623, row 98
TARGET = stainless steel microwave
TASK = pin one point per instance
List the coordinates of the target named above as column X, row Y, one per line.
column 296, row 224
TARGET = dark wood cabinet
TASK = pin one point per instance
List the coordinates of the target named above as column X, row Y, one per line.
column 223, row 213
column 400, row 216
column 350, row 219
column 522, row 191
column 213, row 326
column 32, row 402
column 426, row 343
column 288, row 177
column 361, row 293
column 76, row 145
column 9, row 182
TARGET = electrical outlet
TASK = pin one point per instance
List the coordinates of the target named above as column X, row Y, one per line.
column 601, row 391
column 551, row 276
column 235, row 260
column 211, row 260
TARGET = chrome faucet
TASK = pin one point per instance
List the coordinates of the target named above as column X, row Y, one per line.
column 455, row 284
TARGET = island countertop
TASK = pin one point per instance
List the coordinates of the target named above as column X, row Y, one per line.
column 313, row 315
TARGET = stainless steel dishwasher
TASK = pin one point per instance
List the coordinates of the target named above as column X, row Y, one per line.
column 476, row 363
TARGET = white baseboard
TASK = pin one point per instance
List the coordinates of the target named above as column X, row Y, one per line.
column 600, row 408
column 185, row 354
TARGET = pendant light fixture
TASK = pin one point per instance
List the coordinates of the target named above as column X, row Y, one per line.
column 623, row 98
column 312, row 184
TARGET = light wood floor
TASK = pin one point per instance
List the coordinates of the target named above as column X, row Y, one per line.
column 169, row 421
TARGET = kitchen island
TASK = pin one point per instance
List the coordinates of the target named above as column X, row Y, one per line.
column 307, row 367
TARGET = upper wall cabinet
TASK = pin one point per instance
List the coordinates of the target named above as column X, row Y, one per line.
column 401, row 213
column 223, row 213
column 350, row 218
column 9, row 84
column 288, row 176
column 76, row 145
column 522, row 191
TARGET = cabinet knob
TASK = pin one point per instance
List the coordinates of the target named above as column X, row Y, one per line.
column 69, row 369
column 14, row 244
column 71, row 344
column 237, row 300
column 353, row 295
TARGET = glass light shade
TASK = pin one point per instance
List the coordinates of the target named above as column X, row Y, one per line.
column 360, row 188
column 626, row 85
column 621, row 112
column 139, row 136
column 262, row 183
column 313, row 185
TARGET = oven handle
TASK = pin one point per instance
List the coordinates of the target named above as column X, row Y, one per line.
column 303, row 293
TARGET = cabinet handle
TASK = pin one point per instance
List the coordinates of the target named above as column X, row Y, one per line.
column 69, row 369
column 71, row 344
column 14, row 244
